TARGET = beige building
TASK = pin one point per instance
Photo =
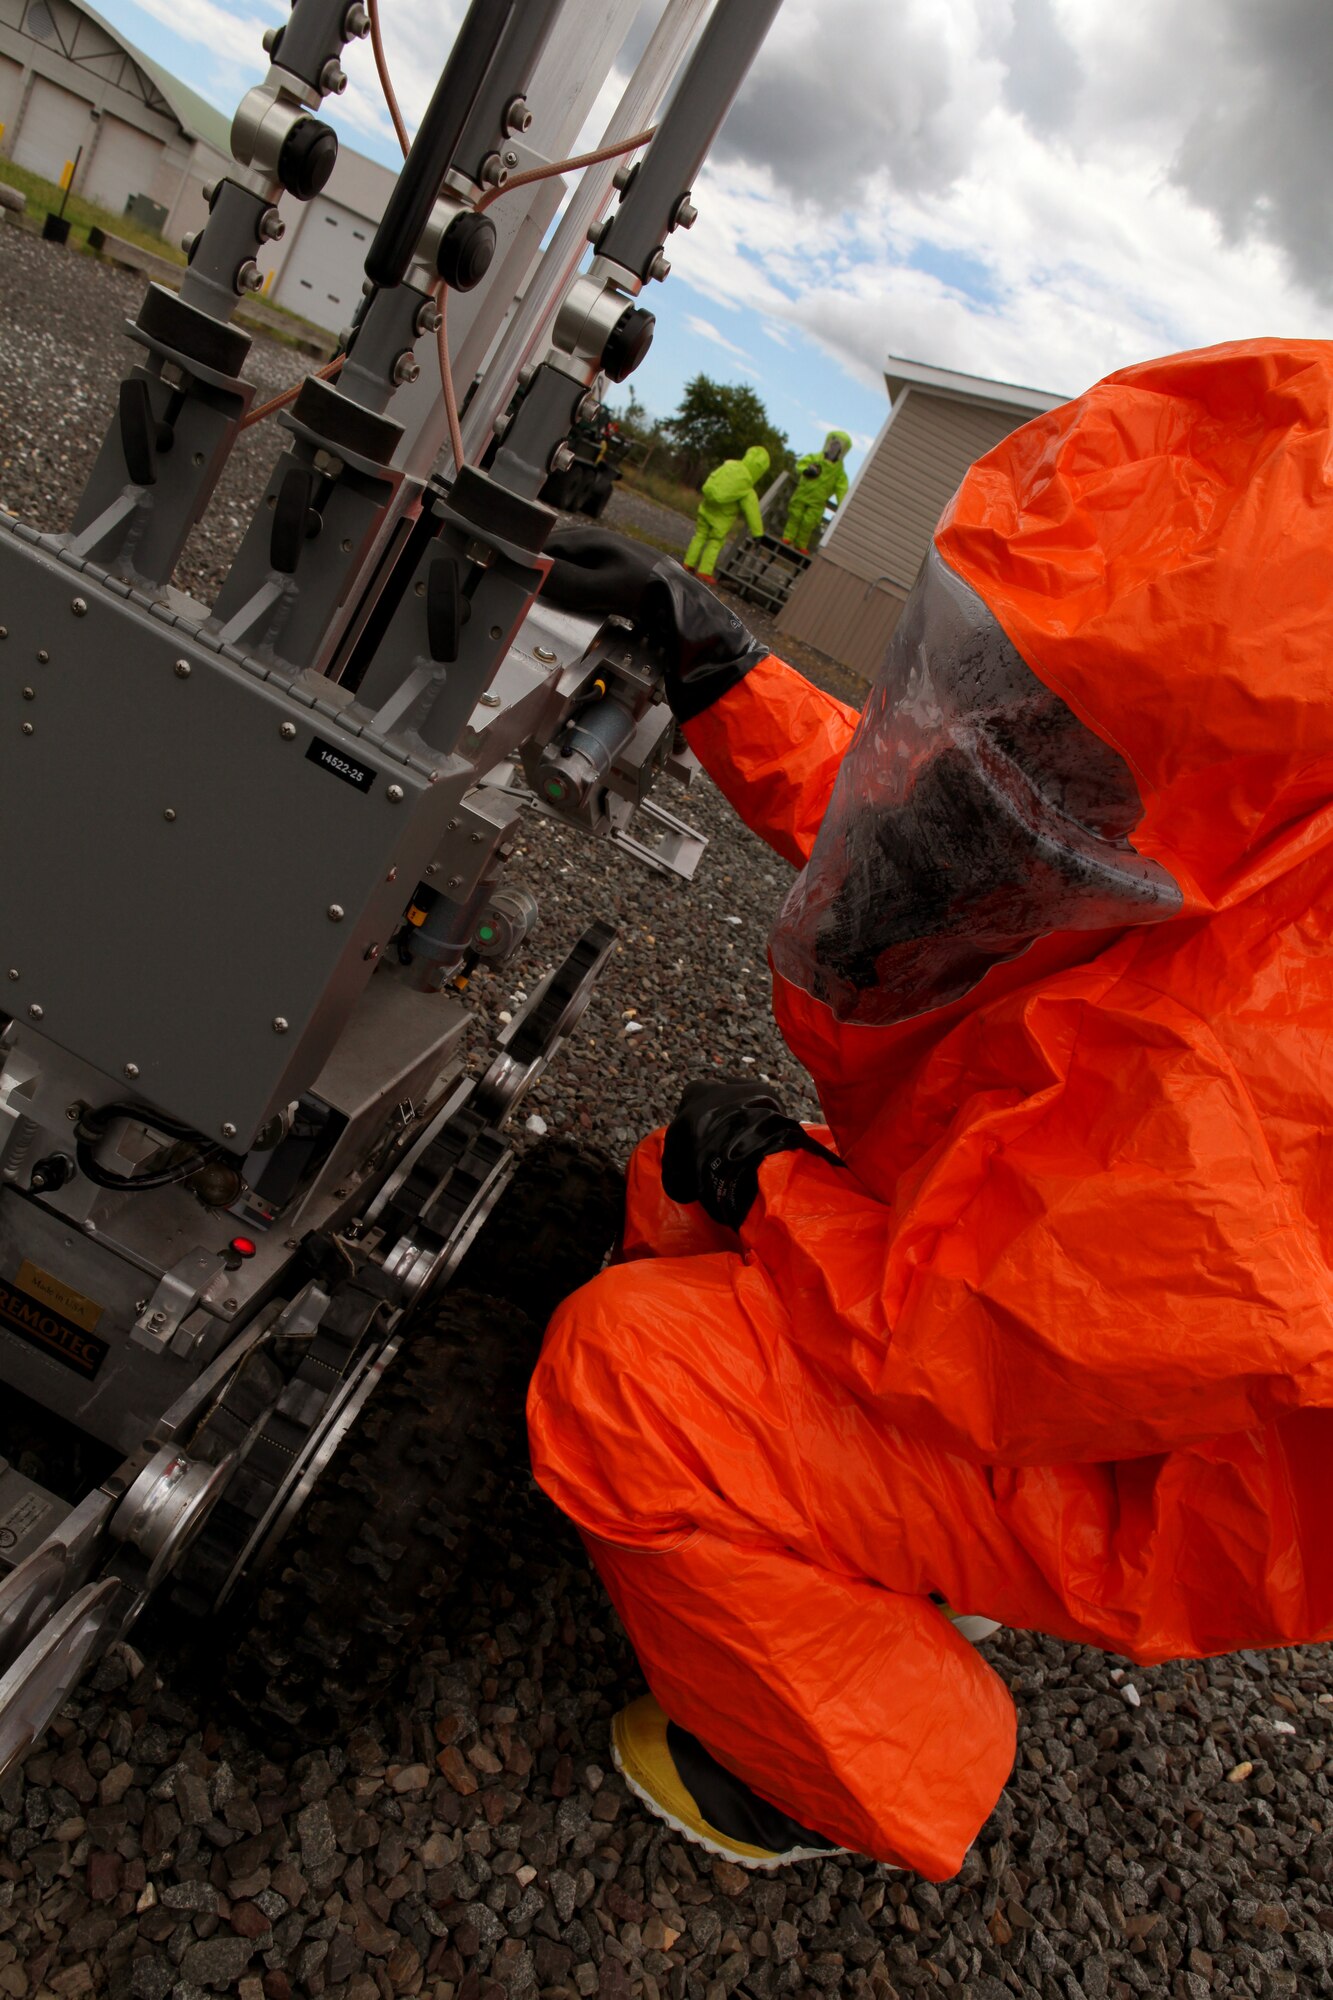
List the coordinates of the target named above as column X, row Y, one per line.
column 848, row 601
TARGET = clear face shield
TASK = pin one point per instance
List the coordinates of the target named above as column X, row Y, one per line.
column 973, row 814
column 833, row 449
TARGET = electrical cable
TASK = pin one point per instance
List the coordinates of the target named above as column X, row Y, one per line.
column 328, row 373
column 381, row 65
column 92, row 1130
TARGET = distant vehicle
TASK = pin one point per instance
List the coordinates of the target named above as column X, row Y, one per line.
column 586, row 485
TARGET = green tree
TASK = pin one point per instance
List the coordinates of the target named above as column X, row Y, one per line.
column 718, row 420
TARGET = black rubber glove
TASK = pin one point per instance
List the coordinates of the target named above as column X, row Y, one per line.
column 703, row 647
column 597, row 572
column 716, row 1142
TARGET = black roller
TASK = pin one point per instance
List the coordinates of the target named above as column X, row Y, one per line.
column 629, row 341
column 309, row 155
column 465, row 252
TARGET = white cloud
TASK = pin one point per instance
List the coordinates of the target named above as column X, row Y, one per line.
column 707, row 331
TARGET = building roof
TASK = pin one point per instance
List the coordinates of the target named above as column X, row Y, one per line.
column 901, row 374
column 196, row 116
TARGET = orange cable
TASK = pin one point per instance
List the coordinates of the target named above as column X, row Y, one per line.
column 381, row 65
column 325, row 374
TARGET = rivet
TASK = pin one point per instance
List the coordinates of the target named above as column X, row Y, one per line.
column 29, row 729
column 455, row 881
column 4, row 631
column 13, row 972
column 79, row 607
column 30, row 694
column 392, row 875
column 372, row 952
column 228, row 1129
column 336, row 913
column 419, row 589
column 544, row 653
column 433, row 868
column 287, row 729
column 182, row 670
column 36, row 1011
column 394, row 794
column 476, row 839
column 42, row 656
column 279, row 1024
column 131, row 1069
column 229, row 1305
column 168, row 812
column 496, row 632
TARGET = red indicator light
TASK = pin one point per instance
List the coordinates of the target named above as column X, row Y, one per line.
column 243, row 1246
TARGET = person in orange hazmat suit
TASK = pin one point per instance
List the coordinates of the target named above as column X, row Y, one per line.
column 1039, row 1325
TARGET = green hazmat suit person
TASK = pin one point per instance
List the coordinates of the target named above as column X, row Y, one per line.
column 727, row 492
column 821, row 476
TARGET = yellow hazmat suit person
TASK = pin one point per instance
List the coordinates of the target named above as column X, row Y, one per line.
column 821, row 476
column 727, row 492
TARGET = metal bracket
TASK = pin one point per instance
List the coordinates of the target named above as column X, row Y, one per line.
column 178, row 1292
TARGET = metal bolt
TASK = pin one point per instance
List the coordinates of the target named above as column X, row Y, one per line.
column 182, row 670
column 229, row 1305
column 270, row 39
column 131, row 1069
column 42, row 656
column 501, row 422
column 272, row 228
column 356, row 23
column 659, row 268
column 4, row 631
column 346, row 545
column 228, row 1129
column 209, row 190
column 168, row 812
column 492, row 171
column 490, row 701
column 562, row 457
column 686, row 214
column 336, row 913
column 333, row 78
column 510, row 157
column 545, row 654
column 372, row 952
column 190, row 238
column 74, row 1112
column 518, row 118
column 395, row 795
column 79, row 607
column 287, row 729
column 455, row 881
column 418, row 589
column 30, row 694
column 432, row 867
column 13, row 972
column 280, row 1024
column 406, row 368
column 428, row 318
column 28, row 729
column 36, row 1011
column 475, row 838
column 621, row 178
column 250, row 278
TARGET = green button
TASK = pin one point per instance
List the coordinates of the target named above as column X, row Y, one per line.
column 486, row 933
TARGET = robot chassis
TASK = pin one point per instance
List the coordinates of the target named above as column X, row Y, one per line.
column 234, row 1120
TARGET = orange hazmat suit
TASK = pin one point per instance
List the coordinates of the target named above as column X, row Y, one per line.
column 1056, row 1342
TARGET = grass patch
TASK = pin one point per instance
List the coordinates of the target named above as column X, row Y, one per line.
column 662, row 488
column 44, row 196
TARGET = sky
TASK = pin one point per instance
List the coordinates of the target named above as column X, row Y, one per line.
column 1035, row 191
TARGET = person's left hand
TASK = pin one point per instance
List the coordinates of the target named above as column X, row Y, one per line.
column 717, row 1141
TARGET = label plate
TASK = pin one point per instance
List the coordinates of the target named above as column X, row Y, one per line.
column 330, row 758
column 43, row 1327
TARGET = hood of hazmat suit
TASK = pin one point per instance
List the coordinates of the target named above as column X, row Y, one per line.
column 836, row 446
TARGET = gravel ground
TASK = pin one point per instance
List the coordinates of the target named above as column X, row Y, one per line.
column 1165, row 1832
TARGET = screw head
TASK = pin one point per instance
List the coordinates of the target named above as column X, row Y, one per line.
column 182, row 670
column 229, row 1305
column 249, row 278
column 659, row 268
column 30, row 694
column 28, row 729
column 228, row 1129
column 333, row 78
column 371, row 952
column 336, row 913
column 13, row 972
column 131, row 1069
column 545, row 655
column 168, row 812
column 280, row 1024
column 395, row 793
column 4, row 631
column 79, row 607
column 287, row 730
column 490, row 701
column 42, row 656
column 406, row 368
column 36, row 1012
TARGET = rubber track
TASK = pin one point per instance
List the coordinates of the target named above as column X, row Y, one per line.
column 551, row 1230
column 385, row 1537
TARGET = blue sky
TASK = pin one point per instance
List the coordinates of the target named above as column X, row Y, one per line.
column 1035, row 191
